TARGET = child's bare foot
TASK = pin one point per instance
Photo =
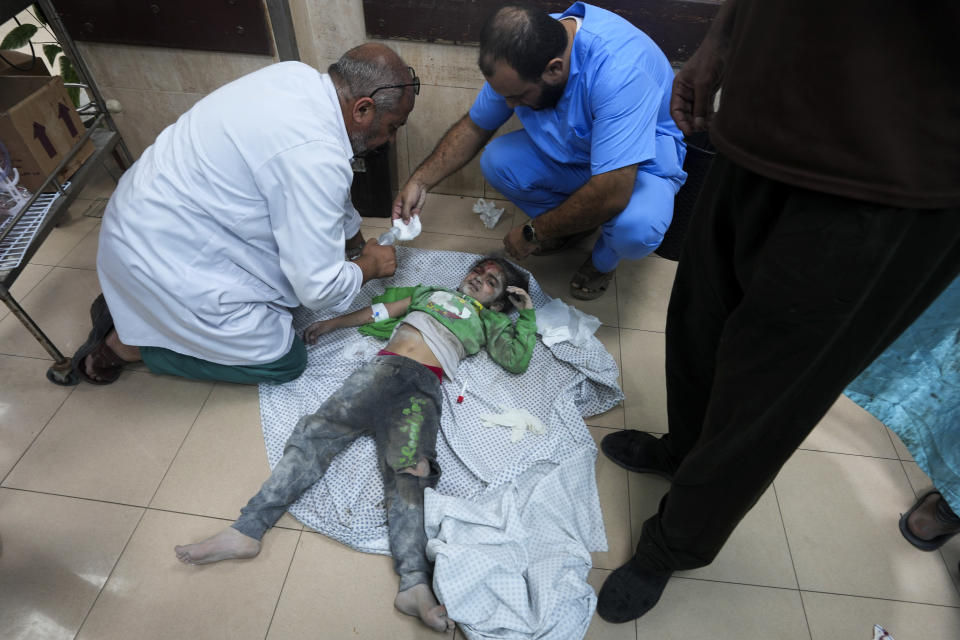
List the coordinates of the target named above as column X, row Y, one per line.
column 418, row 601
column 229, row 544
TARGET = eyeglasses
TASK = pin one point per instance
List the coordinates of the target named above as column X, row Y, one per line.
column 415, row 84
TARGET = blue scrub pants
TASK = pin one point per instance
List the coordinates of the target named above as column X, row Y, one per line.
column 536, row 184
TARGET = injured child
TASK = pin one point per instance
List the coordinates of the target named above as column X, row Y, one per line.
column 394, row 398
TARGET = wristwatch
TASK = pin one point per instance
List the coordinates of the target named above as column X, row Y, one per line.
column 529, row 233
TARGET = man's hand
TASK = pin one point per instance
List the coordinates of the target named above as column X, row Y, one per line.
column 317, row 329
column 516, row 245
column 409, row 201
column 695, row 85
column 376, row 261
column 519, row 298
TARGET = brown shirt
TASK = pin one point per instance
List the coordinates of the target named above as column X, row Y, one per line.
column 858, row 98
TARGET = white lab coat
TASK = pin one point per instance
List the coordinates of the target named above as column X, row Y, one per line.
column 236, row 214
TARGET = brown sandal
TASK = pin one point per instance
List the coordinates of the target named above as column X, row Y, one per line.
column 106, row 364
column 588, row 283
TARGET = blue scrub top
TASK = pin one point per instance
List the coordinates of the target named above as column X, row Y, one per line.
column 615, row 109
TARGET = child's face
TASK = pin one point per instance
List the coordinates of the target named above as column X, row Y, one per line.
column 485, row 283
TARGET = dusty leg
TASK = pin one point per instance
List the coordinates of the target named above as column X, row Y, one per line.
column 418, row 600
column 229, row 544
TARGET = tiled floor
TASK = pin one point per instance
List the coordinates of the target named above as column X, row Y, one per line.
column 99, row 484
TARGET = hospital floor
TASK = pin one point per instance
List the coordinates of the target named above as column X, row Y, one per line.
column 98, row 483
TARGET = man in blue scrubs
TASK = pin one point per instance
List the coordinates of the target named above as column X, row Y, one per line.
column 598, row 147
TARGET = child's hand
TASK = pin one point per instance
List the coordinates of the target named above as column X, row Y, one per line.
column 317, row 329
column 519, row 298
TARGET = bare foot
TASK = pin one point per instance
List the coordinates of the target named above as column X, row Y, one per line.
column 418, row 601
column 229, row 544
column 924, row 524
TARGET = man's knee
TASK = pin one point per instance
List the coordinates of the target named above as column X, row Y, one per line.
column 494, row 164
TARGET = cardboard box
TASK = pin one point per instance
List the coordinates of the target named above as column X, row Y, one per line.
column 39, row 126
column 21, row 60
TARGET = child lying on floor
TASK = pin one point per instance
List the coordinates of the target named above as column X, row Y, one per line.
column 395, row 398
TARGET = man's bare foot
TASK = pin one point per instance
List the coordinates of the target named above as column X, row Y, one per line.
column 123, row 351
column 924, row 524
column 418, row 601
column 229, row 544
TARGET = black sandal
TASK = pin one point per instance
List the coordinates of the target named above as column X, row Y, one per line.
column 107, row 364
column 942, row 513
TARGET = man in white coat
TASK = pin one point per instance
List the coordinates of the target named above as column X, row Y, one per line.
column 239, row 212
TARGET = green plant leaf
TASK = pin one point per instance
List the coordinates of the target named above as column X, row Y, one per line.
column 19, row 37
column 70, row 75
column 38, row 12
column 51, row 51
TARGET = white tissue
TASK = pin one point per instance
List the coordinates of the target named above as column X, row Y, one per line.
column 407, row 231
column 488, row 213
column 518, row 420
column 360, row 349
column 558, row 322
column 879, row 633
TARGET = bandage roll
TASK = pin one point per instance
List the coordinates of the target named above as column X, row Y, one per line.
column 380, row 312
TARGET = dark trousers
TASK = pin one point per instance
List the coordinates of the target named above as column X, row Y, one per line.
column 395, row 400
column 782, row 296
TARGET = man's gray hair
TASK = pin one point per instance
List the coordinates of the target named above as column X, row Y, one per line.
column 362, row 74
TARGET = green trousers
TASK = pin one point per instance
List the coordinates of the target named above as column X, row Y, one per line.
column 287, row 368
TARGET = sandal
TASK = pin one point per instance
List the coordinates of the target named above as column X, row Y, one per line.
column 106, row 364
column 550, row 246
column 588, row 283
column 941, row 513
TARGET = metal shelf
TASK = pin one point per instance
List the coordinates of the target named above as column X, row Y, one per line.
column 102, row 131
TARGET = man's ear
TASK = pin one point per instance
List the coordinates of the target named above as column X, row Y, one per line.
column 363, row 111
column 553, row 72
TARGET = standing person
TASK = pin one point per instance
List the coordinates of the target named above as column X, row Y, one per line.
column 828, row 222
column 598, row 147
column 239, row 212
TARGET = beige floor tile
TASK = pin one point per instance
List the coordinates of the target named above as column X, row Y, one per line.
column 344, row 593
column 84, row 255
column 57, row 554
column 27, row 402
column 847, row 428
column 112, row 443
column 645, row 493
column 703, row 609
column 643, row 291
column 900, row 448
column 381, row 224
column 454, row 215
column 756, row 553
column 152, row 595
column 612, row 485
column 613, row 418
column 223, row 461
column 60, row 305
column 644, row 380
column 101, row 184
column 554, row 273
column 841, row 513
column 921, row 483
column 65, row 237
column 601, row 629
column 837, row 617
column 30, row 277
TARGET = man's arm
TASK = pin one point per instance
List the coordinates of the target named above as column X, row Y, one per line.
column 354, row 319
column 696, row 84
column 456, row 148
column 600, row 199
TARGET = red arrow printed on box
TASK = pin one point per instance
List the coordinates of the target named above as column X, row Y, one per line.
column 63, row 112
column 40, row 133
